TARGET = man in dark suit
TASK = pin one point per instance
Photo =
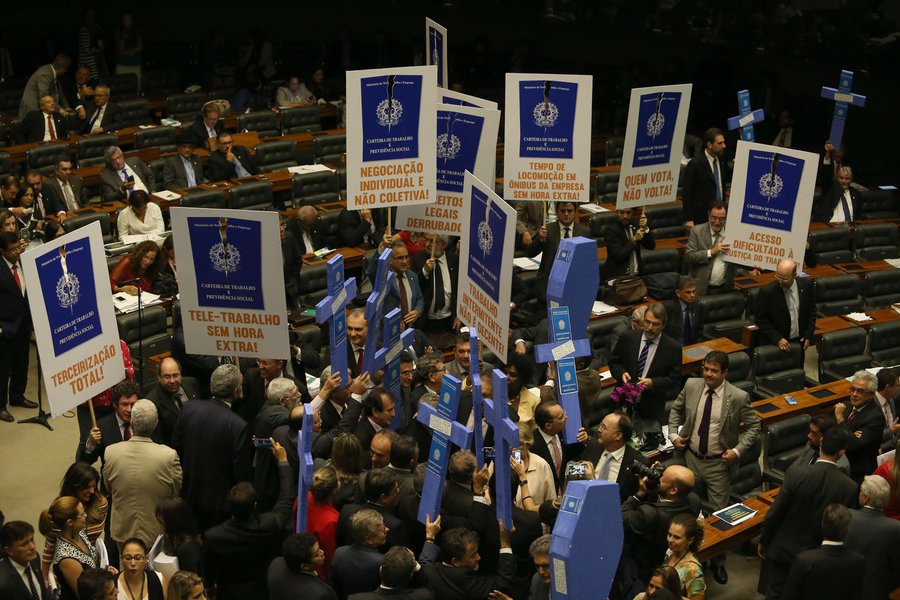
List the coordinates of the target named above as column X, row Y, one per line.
column 78, row 89
column 831, row 571
column 45, row 81
column 293, row 575
column 291, row 263
column 306, row 231
column 457, row 576
column 438, row 278
column 239, row 551
column 20, row 570
column 183, row 169
column 794, row 522
column 405, row 292
column 114, row 427
column 547, row 241
column 819, row 425
column 377, row 414
column 659, row 371
column 360, row 227
column 357, row 561
column 397, row 574
column 381, row 491
column 44, row 125
column 683, row 316
column 705, row 254
column 204, row 429
column 357, row 330
column 704, row 179
column 205, row 126
column 45, row 204
column 786, row 308
column 865, row 424
column 15, row 327
column 886, row 397
column 102, row 116
column 624, row 243
column 170, row 394
column 550, row 419
column 613, row 458
column 67, row 187
column 230, row 161
column 124, row 175
column 839, row 203
column 256, row 380
column 877, row 537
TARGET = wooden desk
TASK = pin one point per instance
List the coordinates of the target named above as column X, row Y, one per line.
column 690, row 362
column 879, row 315
column 769, row 497
column 829, row 324
column 747, row 282
column 353, row 258
column 866, row 266
column 717, row 542
column 807, row 401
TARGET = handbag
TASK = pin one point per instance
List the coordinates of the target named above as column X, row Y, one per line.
column 625, row 291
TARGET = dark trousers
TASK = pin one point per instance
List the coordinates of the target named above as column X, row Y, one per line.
column 14, row 352
column 773, row 576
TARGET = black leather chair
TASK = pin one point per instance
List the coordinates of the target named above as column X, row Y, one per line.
column 43, row 158
column 606, row 185
column 156, row 167
column 829, row 246
column 89, row 151
column 135, row 112
column 598, row 331
column 122, row 87
column 204, row 199
column 300, row 119
column 614, row 148
column 6, row 165
column 80, row 219
column 598, row 222
column 842, row 353
column 184, row 106
column 722, row 315
column 785, row 440
column 315, row 188
column 739, row 371
column 9, row 101
column 163, row 137
column 329, row 148
column 876, row 241
column 255, row 195
column 328, row 224
column 749, row 479
column 311, row 335
column 777, row 372
column 693, row 146
column 150, row 339
column 313, row 285
column 160, row 81
column 881, row 289
column 884, row 344
column 878, row 204
column 275, row 156
column 665, row 220
column 838, row 295
column 263, row 122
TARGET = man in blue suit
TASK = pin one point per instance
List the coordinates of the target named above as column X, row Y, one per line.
column 405, row 292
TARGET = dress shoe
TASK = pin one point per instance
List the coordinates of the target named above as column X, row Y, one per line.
column 24, row 403
column 720, row 574
column 5, row 416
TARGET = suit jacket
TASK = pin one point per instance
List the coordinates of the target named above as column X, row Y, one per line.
column 877, row 537
column 43, row 82
column 285, row 584
column 214, row 449
column 646, row 525
column 254, row 395
column 862, row 452
column 355, row 231
column 529, row 217
column 699, row 264
column 112, row 184
column 675, row 323
column 355, row 569
column 547, row 248
column 12, row 587
column 15, row 316
column 828, row 201
column 33, row 127
column 773, row 318
column 197, row 133
column 139, row 474
column 664, row 370
column 459, row 583
column 175, row 176
column 52, row 204
column 808, row 453
column 316, row 235
column 794, row 522
column 397, row 536
column 426, row 282
column 112, row 119
column 699, row 188
column 569, row 452
column 168, row 410
column 219, row 169
column 109, row 434
column 619, row 248
column 627, row 479
column 54, row 186
column 826, row 573
column 416, row 301
column 394, row 594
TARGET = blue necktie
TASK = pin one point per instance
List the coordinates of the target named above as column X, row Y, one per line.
column 716, row 177
column 239, row 168
column 189, row 171
column 125, row 178
column 847, row 216
column 642, row 360
column 688, row 326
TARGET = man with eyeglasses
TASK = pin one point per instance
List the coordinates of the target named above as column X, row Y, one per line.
column 15, row 327
column 170, row 394
column 705, row 254
column 405, row 293
column 430, row 371
column 612, row 456
column 256, row 382
column 864, row 421
column 786, row 309
column 547, row 241
column 230, row 161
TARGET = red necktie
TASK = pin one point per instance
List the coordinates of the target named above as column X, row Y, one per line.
column 126, row 432
column 852, row 416
column 50, row 127
column 404, row 301
column 15, row 270
column 359, row 360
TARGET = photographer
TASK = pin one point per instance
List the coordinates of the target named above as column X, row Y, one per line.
column 647, row 514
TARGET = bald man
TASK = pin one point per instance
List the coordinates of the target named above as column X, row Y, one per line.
column 786, row 308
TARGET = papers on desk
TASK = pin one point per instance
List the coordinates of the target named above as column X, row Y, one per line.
column 129, row 240
column 166, row 122
column 735, row 514
column 666, row 446
column 602, row 308
column 301, row 169
column 126, row 303
column 323, row 252
column 605, row 374
column 894, row 262
column 592, row 208
column 859, row 317
column 528, row 263
column 167, row 195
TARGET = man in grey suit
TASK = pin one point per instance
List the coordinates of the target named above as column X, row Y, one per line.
column 705, row 255
column 124, row 175
column 184, row 169
column 704, row 408
column 45, row 82
column 877, row 537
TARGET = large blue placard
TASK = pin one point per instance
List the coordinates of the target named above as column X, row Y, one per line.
column 657, row 117
column 333, row 308
column 459, row 136
column 547, row 118
column 304, row 481
column 227, row 256
column 485, row 251
column 70, row 296
column 439, row 453
column 390, row 105
column 773, row 181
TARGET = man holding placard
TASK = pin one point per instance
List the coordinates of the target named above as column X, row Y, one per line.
column 15, row 322
column 704, row 179
column 547, row 241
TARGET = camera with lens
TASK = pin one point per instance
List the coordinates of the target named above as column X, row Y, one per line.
column 652, row 473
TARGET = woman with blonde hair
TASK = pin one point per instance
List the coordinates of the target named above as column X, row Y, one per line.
column 535, row 477
column 322, row 516
column 74, row 551
column 185, row 585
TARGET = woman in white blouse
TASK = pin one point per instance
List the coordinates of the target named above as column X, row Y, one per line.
column 141, row 216
column 535, row 470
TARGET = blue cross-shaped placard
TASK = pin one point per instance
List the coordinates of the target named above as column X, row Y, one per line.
column 333, row 308
column 375, row 308
column 562, row 350
column 843, row 99
column 477, row 397
column 439, row 453
column 746, row 118
column 388, row 357
column 304, row 451
column 506, row 437
column 459, row 434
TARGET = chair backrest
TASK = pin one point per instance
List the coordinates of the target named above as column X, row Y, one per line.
column 44, row 157
column 749, row 476
column 157, row 167
column 255, row 195
column 836, row 288
column 878, row 204
column 273, row 156
column 738, row 367
column 135, row 112
column 664, row 260
column 785, row 435
column 6, row 165
column 156, row 137
column 89, row 151
column 876, row 241
column 614, row 149
column 598, row 331
column 721, row 307
column 184, row 106
column 315, row 188
column 599, row 221
column 884, row 343
column 160, row 81
column 881, row 288
column 606, row 184
column 313, row 284
column 204, row 199
column 263, row 121
column 300, row 119
column 329, row 147
column 777, row 371
column 328, row 224
column 122, row 87
column 833, row 239
column 9, row 101
column 76, row 220
column 842, row 353
column 693, row 145
column 665, row 220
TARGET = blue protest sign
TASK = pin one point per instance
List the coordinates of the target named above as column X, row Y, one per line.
column 485, row 256
column 395, row 102
column 439, row 453
column 375, row 308
column 388, row 357
column 574, row 280
column 657, row 119
column 843, row 99
column 227, row 257
column 436, row 43
column 506, row 437
column 587, row 541
column 477, row 397
column 746, row 118
column 459, row 136
column 333, row 308
column 547, row 118
column 304, row 481
column 456, row 432
column 772, row 187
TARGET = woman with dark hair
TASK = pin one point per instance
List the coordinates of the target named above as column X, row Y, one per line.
column 347, row 460
column 74, row 552
column 8, row 221
column 685, row 538
column 140, row 216
column 139, row 263
column 25, row 201
column 663, row 578
column 521, row 400
column 166, row 281
column 180, row 537
column 136, row 580
column 889, row 470
column 81, row 481
column 53, row 230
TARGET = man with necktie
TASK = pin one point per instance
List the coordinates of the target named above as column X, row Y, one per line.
column 184, row 169
column 44, row 125
column 547, row 241
column 170, row 394
column 840, row 203
column 15, row 327
column 786, row 308
column 20, row 571
column 230, row 161
column 886, row 396
column 124, row 175
column 705, row 254
column 102, row 116
column 67, row 186
column 613, row 457
column 684, row 318
column 704, row 179
column 864, row 421
column 438, row 280
column 624, row 242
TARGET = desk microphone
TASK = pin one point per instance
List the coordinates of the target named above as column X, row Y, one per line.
column 128, row 282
